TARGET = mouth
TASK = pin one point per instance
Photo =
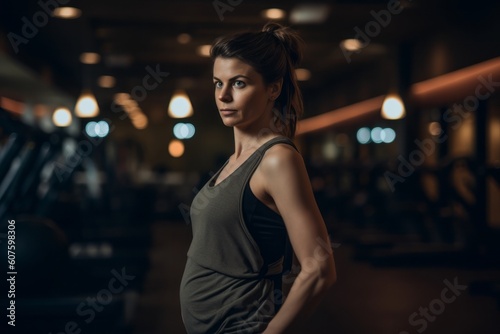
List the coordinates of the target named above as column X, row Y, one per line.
column 227, row 111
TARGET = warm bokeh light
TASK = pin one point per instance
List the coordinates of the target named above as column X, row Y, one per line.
column 134, row 112
column 180, row 105
column 176, row 148
column 435, row 128
column 393, row 107
column 106, row 81
column 121, row 98
column 87, row 106
column 90, row 58
column 351, row 44
column 184, row 38
column 204, row 50
column 303, row 74
column 67, row 12
column 140, row 121
column 274, row 14
column 62, row 117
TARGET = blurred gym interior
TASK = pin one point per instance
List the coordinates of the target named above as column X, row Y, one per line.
column 98, row 164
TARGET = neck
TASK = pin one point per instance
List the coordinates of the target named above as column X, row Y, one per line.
column 248, row 139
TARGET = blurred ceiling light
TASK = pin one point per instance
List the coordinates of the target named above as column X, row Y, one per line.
column 131, row 103
column 121, row 98
column 274, row 13
column 180, row 105
column 67, row 12
column 184, row 38
column 140, row 121
column 393, row 107
column 204, row 50
column 106, row 81
column 310, row 13
column 90, row 58
column 351, row 44
column 86, row 106
column 131, row 107
column 303, row 74
column 176, row 148
column 435, row 128
column 62, row 117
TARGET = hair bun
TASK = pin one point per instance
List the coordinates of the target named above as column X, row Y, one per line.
column 290, row 39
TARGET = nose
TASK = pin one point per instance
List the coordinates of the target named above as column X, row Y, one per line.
column 225, row 95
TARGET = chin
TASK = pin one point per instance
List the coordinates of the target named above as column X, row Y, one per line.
column 230, row 122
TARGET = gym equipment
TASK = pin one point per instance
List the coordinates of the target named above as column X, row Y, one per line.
column 53, row 216
column 41, row 255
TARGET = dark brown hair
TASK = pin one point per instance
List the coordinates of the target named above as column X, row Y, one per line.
column 275, row 53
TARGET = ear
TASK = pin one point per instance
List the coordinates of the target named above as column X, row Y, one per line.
column 274, row 89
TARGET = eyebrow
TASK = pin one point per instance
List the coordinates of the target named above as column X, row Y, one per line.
column 235, row 77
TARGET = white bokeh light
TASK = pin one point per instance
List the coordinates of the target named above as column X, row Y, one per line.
column 388, row 135
column 363, row 135
column 393, row 107
column 62, row 117
column 184, row 130
column 102, row 129
column 376, row 135
column 97, row 129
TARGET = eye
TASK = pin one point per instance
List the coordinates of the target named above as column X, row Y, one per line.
column 239, row 84
column 218, row 84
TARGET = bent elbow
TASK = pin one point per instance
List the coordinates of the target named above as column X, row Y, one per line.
column 322, row 276
column 327, row 278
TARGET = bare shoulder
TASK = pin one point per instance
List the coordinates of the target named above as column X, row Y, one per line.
column 281, row 157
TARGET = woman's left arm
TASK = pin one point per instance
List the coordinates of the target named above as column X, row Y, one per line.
column 288, row 184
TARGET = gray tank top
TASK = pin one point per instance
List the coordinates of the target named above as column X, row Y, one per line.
column 226, row 286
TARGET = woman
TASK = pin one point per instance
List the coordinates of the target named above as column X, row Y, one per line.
column 260, row 198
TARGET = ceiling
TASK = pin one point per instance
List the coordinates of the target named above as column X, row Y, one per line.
column 132, row 36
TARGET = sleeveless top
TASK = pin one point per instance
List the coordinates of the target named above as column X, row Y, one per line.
column 230, row 284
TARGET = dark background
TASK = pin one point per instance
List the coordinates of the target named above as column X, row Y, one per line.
column 101, row 228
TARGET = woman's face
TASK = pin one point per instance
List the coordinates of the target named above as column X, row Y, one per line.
column 242, row 97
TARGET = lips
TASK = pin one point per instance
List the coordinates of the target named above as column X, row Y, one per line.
column 227, row 112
